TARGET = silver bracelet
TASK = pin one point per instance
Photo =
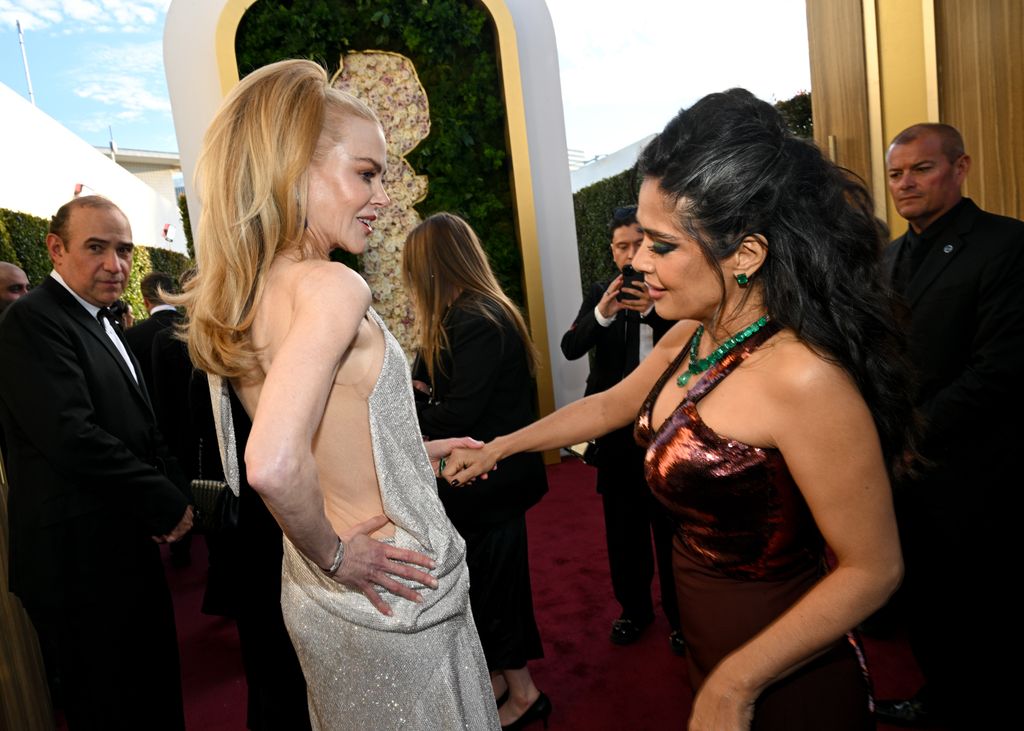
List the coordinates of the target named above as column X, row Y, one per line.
column 339, row 556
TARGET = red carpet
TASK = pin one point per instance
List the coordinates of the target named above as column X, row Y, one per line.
column 592, row 683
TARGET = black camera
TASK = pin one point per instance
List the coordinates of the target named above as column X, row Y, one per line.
column 630, row 278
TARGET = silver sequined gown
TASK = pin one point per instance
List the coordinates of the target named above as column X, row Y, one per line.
column 423, row 667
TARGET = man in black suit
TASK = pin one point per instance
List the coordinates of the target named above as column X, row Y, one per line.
column 617, row 321
column 90, row 498
column 169, row 400
column 162, row 316
column 960, row 271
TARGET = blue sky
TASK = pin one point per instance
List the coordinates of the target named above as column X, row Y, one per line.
column 94, row 64
column 99, row 63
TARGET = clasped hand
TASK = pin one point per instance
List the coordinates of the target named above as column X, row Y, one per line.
column 465, row 465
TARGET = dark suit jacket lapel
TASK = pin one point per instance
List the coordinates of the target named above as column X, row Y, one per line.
column 891, row 256
column 946, row 248
column 95, row 328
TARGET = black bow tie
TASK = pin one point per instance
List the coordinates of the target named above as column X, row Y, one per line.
column 105, row 314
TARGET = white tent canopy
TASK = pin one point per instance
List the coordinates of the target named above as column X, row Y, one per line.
column 44, row 163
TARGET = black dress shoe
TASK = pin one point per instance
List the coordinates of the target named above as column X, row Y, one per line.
column 626, row 631
column 910, row 712
column 677, row 643
column 538, row 711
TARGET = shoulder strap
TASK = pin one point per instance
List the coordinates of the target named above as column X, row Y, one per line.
column 648, row 405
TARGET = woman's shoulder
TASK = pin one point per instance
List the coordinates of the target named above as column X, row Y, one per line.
column 328, row 283
column 800, row 373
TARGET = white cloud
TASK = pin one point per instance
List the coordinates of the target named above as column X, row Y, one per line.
column 127, row 79
column 84, row 15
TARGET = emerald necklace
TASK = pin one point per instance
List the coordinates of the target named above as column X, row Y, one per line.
column 699, row 365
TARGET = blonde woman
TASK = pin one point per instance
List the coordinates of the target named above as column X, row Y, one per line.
column 375, row 584
column 474, row 371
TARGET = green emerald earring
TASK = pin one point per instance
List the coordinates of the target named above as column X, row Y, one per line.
column 742, row 279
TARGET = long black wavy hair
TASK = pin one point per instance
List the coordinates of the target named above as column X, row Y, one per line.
column 733, row 170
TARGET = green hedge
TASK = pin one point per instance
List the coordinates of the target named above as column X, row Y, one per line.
column 452, row 44
column 26, row 237
column 186, row 225
column 23, row 242
column 593, row 207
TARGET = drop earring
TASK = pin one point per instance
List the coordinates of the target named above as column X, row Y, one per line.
column 742, row 279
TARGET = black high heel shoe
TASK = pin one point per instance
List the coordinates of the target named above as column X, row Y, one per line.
column 540, row 710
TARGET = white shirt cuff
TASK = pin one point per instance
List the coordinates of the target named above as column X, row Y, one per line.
column 601, row 319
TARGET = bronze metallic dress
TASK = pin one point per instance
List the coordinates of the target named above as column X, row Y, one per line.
column 746, row 548
column 422, row 667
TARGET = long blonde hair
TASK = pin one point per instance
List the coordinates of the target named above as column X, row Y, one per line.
column 444, row 261
column 253, row 175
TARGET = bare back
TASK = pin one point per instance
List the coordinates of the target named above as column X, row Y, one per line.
column 317, row 311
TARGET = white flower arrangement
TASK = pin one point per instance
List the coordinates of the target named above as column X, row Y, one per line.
column 388, row 83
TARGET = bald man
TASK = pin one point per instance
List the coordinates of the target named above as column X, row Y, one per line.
column 13, row 284
column 959, row 269
column 93, row 489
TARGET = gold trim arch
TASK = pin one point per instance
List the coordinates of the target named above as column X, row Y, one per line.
column 199, row 56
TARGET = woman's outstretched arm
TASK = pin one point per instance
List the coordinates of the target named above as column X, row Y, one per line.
column 579, row 421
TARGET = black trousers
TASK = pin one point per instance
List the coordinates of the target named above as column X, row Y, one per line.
column 118, row 662
column 500, row 593
column 960, row 617
column 277, row 688
column 632, row 517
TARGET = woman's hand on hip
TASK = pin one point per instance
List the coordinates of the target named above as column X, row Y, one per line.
column 368, row 562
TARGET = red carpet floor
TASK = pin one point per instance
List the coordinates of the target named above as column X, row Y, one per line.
column 592, row 683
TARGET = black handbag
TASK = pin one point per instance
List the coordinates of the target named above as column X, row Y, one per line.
column 216, row 506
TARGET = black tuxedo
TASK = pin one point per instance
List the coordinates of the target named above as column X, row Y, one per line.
column 141, row 337
column 86, row 467
column 630, row 512
column 966, row 343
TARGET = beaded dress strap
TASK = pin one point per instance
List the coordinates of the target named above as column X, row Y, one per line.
column 648, row 406
column 711, row 378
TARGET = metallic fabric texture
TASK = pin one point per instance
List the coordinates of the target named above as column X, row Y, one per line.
column 423, row 667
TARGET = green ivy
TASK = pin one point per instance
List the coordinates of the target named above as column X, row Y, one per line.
column 796, row 112
column 167, row 261
column 7, row 252
column 141, row 266
column 452, row 44
column 593, row 207
column 27, row 236
column 186, row 226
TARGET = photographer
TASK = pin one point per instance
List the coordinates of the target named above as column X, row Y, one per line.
column 617, row 321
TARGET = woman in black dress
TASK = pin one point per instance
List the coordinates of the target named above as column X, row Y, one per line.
column 474, row 375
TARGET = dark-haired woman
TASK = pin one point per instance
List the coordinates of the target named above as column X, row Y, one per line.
column 474, row 372
column 773, row 413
